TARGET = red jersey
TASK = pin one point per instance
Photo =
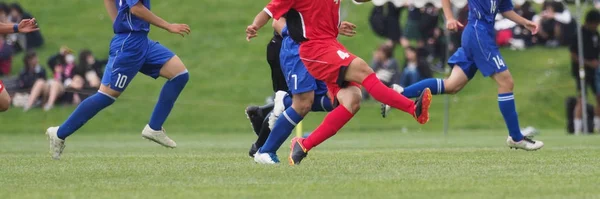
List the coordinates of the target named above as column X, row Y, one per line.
column 308, row 19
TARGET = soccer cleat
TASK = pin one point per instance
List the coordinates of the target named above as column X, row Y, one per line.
column 266, row 158
column 526, row 144
column 278, row 109
column 253, row 150
column 298, row 152
column 422, row 104
column 57, row 145
column 255, row 117
column 385, row 109
column 159, row 137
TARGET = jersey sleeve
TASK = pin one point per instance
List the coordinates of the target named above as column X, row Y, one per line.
column 505, row 5
column 131, row 3
column 277, row 8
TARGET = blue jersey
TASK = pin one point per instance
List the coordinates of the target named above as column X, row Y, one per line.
column 485, row 10
column 125, row 21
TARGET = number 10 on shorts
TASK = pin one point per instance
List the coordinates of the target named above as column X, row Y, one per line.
column 121, row 80
column 499, row 62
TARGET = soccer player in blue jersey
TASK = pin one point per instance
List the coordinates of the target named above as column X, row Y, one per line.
column 308, row 94
column 131, row 51
column 479, row 52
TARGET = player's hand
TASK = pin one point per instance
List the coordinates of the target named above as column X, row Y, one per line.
column 531, row 26
column 180, row 29
column 347, row 29
column 28, row 25
column 453, row 25
column 251, row 32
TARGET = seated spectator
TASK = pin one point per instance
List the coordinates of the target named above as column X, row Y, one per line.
column 384, row 65
column 556, row 24
column 28, row 40
column 62, row 65
column 89, row 69
column 32, row 77
column 415, row 69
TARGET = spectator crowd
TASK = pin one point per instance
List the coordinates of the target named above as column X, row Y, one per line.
column 67, row 79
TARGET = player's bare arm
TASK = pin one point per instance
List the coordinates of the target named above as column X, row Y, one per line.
column 513, row 16
column 451, row 23
column 278, row 25
column 111, row 8
column 347, row 29
column 142, row 12
column 259, row 21
column 25, row 26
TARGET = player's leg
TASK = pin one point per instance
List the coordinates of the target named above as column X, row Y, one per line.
column 4, row 98
column 119, row 72
column 263, row 135
column 257, row 114
column 349, row 99
column 160, row 61
column 577, row 119
column 359, row 71
column 506, row 103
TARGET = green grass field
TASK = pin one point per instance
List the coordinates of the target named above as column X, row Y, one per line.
column 370, row 158
column 469, row 164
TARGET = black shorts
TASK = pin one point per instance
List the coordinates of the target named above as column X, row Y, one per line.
column 277, row 77
column 590, row 81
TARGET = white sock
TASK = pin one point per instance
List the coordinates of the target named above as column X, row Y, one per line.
column 578, row 124
column 596, row 123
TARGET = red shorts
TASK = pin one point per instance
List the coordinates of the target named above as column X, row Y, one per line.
column 1, row 86
column 324, row 60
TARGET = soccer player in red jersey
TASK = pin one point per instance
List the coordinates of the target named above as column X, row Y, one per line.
column 314, row 24
column 25, row 26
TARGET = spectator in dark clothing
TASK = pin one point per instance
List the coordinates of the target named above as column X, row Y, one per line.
column 29, row 40
column 62, row 66
column 385, row 22
column 33, row 76
column 412, row 29
column 415, row 69
column 555, row 24
column 591, row 52
column 89, row 69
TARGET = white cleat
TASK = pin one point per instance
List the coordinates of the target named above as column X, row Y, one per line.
column 278, row 108
column 526, row 144
column 385, row 109
column 266, row 158
column 159, row 137
column 57, row 145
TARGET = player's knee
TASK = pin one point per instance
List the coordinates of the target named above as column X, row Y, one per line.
column 302, row 107
column 451, row 88
column 358, row 70
column 507, row 84
column 351, row 104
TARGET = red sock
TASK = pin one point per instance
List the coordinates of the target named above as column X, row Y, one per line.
column 387, row 95
column 332, row 123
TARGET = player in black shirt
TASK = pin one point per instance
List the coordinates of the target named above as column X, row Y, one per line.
column 591, row 51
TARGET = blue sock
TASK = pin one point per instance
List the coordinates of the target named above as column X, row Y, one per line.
column 166, row 100
column 435, row 84
column 84, row 112
column 287, row 101
column 281, row 131
column 322, row 103
column 506, row 102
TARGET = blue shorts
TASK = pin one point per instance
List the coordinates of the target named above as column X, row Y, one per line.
column 297, row 77
column 478, row 52
column 130, row 54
